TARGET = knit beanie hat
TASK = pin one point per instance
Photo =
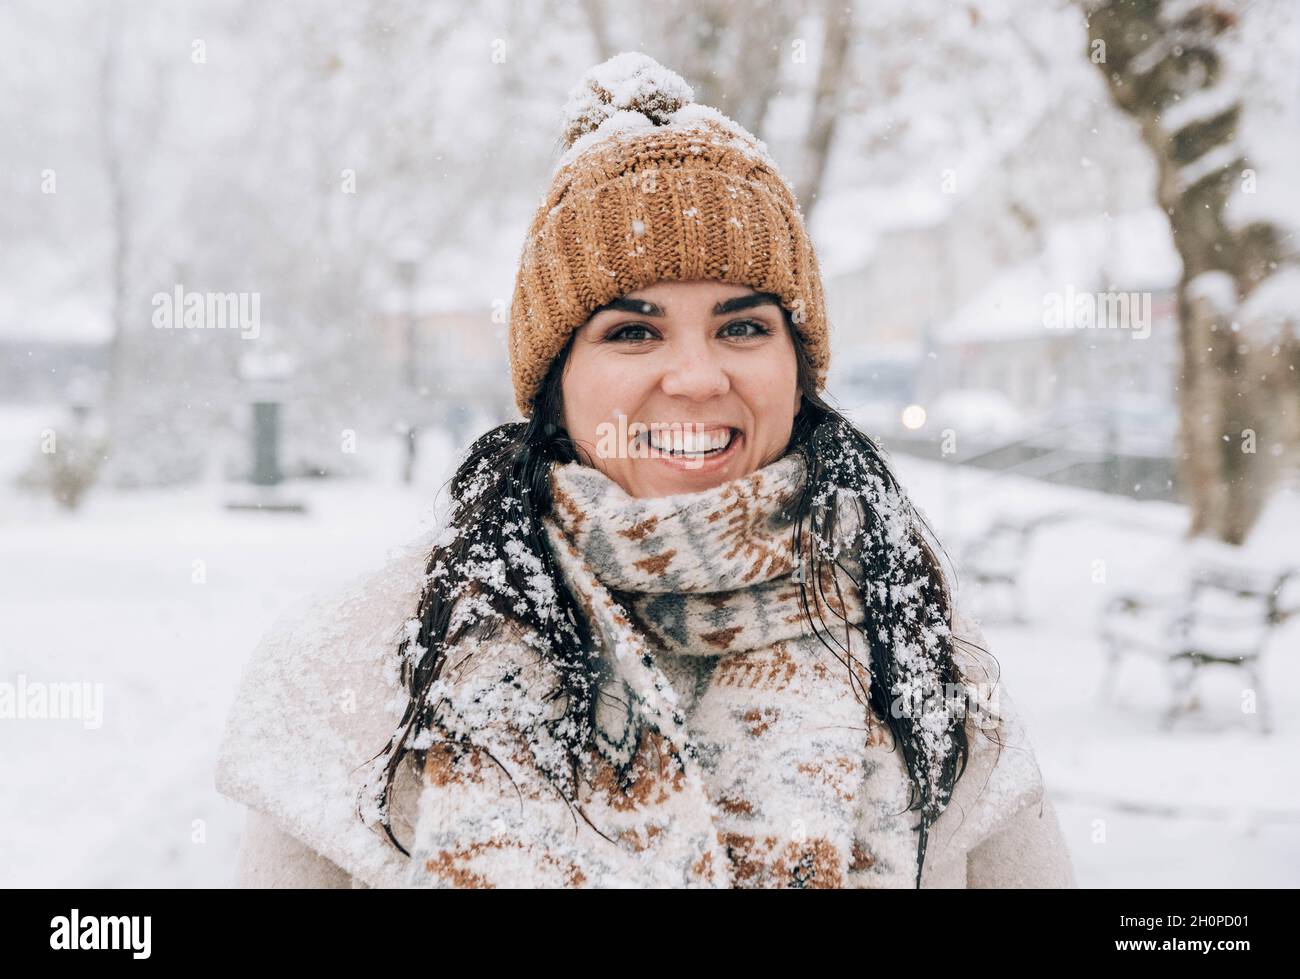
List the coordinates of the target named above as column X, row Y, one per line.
column 652, row 187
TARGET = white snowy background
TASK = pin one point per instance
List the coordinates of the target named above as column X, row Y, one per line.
column 965, row 124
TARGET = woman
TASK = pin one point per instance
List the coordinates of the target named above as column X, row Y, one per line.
column 682, row 627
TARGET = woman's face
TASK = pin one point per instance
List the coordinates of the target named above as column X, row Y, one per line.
column 681, row 386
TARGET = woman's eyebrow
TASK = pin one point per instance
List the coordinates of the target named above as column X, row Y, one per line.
column 647, row 308
column 746, row 302
column 642, row 306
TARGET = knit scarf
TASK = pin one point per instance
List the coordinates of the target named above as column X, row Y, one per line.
column 695, row 600
column 763, row 765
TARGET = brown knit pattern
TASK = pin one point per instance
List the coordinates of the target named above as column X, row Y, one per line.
column 681, row 201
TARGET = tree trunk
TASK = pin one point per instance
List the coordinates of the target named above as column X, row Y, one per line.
column 1164, row 67
column 826, row 100
column 119, row 221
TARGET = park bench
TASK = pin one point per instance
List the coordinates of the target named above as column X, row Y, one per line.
column 1225, row 616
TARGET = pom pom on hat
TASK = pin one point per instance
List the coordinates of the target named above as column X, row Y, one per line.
column 630, row 93
column 627, row 82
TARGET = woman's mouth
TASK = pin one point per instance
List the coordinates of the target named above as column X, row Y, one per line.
column 691, row 448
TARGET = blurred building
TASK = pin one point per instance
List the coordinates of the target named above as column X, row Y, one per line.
column 1091, row 321
column 460, row 364
column 940, row 293
column 34, row 371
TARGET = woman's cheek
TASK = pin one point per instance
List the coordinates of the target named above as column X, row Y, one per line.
column 770, row 392
column 599, row 393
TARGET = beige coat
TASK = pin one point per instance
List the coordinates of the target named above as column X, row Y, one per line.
column 320, row 697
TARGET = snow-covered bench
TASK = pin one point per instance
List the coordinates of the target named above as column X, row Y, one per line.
column 1224, row 616
column 995, row 560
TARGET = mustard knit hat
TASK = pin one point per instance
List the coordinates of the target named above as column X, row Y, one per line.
column 654, row 187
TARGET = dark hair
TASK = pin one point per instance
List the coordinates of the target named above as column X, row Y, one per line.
column 504, row 480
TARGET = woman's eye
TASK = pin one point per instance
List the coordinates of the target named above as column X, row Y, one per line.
column 748, row 328
column 640, row 333
column 631, row 332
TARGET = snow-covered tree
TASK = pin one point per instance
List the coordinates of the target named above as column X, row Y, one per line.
column 1174, row 66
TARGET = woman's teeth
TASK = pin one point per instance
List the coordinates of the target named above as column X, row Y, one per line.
column 687, row 443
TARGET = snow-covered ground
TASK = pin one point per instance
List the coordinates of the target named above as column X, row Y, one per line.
column 108, row 595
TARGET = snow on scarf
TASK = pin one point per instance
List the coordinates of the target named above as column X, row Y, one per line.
column 760, row 768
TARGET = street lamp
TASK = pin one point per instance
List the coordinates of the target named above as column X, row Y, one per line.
column 266, row 373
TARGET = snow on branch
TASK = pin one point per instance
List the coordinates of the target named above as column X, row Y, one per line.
column 1200, row 106
column 1216, row 288
column 1273, row 309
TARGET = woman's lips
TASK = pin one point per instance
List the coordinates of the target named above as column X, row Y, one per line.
column 702, row 463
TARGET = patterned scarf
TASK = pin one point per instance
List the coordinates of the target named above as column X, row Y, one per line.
column 734, row 677
column 765, row 766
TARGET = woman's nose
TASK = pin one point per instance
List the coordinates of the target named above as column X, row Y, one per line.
column 695, row 373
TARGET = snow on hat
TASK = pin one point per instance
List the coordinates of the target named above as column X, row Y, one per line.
column 652, row 187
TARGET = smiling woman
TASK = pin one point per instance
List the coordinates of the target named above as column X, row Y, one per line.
column 722, row 637
column 704, row 372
